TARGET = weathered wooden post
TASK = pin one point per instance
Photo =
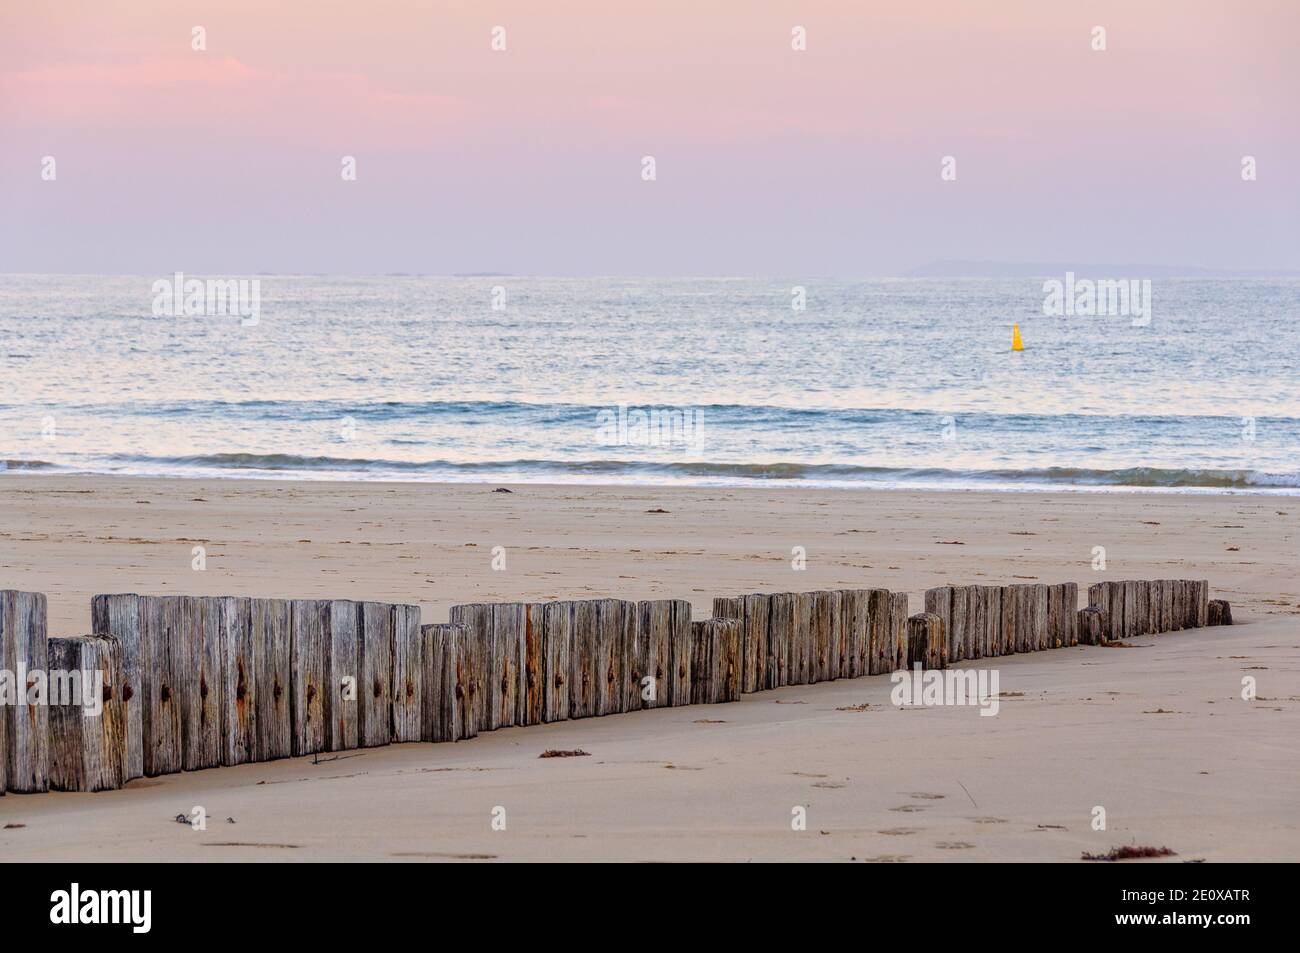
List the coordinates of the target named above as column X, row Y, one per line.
column 938, row 601
column 753, row 611
column 584, row 663
column 87, row 750
column 781, row 624
column 1202, row 603
column 119, row 616
column 469, row 680
column 342, row 688
column 704, row 651
column 1115, row 617
column 681, row 652
column 477, row 618
column 654, row 657
column 927, row 643
column 1099, row 599
column 1063, row 606
column 898, row 628
column 801, row 640
column 438, row 691
column 271, row 628
column 976, row 622
column 828, row 610
column 1219, row 612
column 532, row 689
column 23, row 654
column 308, row 652
column 878, row 620
column 162, row 620
column 375, row 674
column 1009, row 638
column 612, row 628
column 1092, row 626
column 240, row 707
column 506, row 661
column 408, row 664
column 557, row 642
column 202, row 708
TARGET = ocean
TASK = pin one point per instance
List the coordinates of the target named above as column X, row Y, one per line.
column 718, row 382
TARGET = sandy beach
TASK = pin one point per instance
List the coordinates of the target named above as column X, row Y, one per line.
column 1157, row 734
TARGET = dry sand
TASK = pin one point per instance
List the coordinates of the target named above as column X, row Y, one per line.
column 1156, row 734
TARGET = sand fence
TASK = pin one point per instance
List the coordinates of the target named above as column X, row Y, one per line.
column 180, row 683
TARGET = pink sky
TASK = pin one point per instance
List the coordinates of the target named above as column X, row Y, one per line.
column 770, row 161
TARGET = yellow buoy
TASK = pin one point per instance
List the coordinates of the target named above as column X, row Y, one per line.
column 1016, row 343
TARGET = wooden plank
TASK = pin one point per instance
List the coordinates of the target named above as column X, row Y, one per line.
column 87, row 751
column 162, row 670
column 1132, row 609
column 505, row 662
column 1167, row 621
column 532, row 689
column 654, row 652
column 438, row 677
column 342, row 688
column 728, row 675
column 680, row 689
column 308, row 652
column 704, row 652
column 1038, row 595
column 976, row 621
column 469, row 680
column 1069, row 619
column 375, row 673
column 993, row 620
column 878, row 621
column 611, row 652
column 201, row 706
column 271, row 624
column 1092, row 626
column 754, row 642
column 938, row 601
column 557, row 639
column 239, row 714
column 1099, row 599
column 781, row 623
column 584, row 663
column 927, row 642
column 406, row 686
column 957, row 635
column 1218, row 612
column 119, row 616
column 831, row 607
column 854, row 633
column 802, row 640
column 1009, row 635
column 1202, row 603
column 477, row 617
column 898, row 628
column 1115, row 618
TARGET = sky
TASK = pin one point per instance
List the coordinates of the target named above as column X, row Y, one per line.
column 769, row 161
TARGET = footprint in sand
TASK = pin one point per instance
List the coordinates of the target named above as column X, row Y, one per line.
column 922, row 795
column 908, row 808
column 988, row 820
column 898, row 831
column 887, row 859
column 953, row 845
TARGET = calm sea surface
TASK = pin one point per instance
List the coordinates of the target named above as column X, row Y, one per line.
column 904, row 382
